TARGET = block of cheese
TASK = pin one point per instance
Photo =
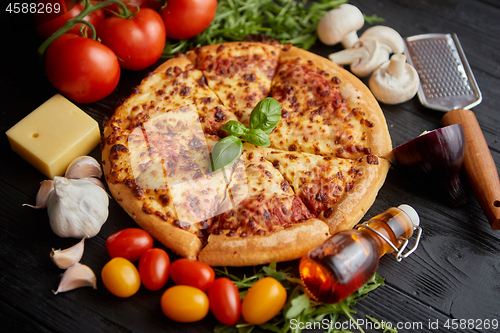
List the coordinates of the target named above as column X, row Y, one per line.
column 53, row 135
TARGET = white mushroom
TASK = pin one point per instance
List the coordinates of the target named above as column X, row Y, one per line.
column 363, row 59
column 395, row 81
column 388, row 38
column 340, row 25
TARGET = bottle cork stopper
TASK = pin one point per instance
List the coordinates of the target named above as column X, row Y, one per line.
column 411, row 213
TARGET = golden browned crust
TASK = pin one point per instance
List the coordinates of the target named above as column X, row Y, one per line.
column 282, row 245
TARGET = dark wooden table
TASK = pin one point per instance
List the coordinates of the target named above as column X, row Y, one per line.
column 454, row 274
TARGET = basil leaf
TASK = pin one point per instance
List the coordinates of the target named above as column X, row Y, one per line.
column 235, row 128
column 257, row 137
column 265, row 115
column 225, row 153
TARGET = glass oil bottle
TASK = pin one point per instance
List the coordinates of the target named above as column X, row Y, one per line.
column 348, row 259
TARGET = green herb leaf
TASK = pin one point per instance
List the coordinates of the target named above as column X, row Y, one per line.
column 235, row 128
column 257, row 137
column 265, row 115
column 298, row 305
column 225, row 153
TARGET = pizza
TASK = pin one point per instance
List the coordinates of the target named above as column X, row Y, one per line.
column 327, row 159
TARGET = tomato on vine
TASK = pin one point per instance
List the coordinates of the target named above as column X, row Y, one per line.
column 187, row 18
column 81, row 68
column 137, row 41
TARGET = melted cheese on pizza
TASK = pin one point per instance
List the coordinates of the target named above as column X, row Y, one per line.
column 240, row 74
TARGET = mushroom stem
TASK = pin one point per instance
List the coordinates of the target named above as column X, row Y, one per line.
column 350, row 39
column 396, row 67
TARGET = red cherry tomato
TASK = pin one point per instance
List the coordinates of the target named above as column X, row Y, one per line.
column 48, row 23
column 129, row 243
column 225, row 302
column 187, row 18
column 153, row 268
column 81, row 68
column 192, row 273
column 138, row 42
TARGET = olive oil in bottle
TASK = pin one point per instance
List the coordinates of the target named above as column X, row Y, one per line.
column 348, row 259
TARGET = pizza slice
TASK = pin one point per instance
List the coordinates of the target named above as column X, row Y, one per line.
column 325, row 109
column 336, row 190
column 240, row 73
column 270, row 223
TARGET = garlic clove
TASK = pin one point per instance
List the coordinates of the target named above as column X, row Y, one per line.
column 68, row 257
column 83, row 167
column 76, row 276
column 95, row 181
column 46, row 187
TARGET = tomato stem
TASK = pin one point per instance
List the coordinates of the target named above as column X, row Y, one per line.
column 89, row 8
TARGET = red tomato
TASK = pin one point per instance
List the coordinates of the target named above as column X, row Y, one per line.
column 138, row 42
column 187, row 18
column 81, row 68
column 129, row 243
column 48, row 23
column 192, row 273
column 153, row 268
column 225, row 302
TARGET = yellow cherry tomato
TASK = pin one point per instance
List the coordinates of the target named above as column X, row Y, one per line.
column 184, row 304
column 121, row 277
column 263, row 301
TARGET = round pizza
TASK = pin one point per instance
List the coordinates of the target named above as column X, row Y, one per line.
column 327, row 158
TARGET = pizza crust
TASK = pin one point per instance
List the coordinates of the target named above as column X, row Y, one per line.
column 283, row 245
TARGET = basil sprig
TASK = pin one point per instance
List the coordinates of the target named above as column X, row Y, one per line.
column 264, row 117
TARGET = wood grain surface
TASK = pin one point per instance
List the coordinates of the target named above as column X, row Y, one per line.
column 454, row 274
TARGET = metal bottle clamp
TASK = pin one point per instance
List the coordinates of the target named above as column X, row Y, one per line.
column 398, row 254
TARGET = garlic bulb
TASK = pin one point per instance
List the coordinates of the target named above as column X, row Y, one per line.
column 77, row 276
column 68, row 257
column 77, row 207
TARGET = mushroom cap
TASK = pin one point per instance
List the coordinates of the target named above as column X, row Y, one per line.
column 340, row 22
column 395, row 81
column 386, row 36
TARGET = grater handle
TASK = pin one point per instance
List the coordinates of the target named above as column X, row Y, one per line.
column 479, row 165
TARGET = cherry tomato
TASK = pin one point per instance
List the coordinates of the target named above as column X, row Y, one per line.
column 263, row 301
column 153, row 268
column 129, row 243
column 48, row 23
column 138, row 42
column 192, row 273
column 184, row 304
column 187, row 18
column 225, row 301
column 121, row 277
column 81, row 68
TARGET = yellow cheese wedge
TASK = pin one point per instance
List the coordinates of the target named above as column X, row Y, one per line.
column 53, row 135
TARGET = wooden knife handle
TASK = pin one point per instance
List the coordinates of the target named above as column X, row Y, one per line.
column 479, row 165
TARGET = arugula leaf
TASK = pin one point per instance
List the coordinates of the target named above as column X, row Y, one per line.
column 265, row 115
column 289, row 21
column 299, row 306
column 225, row 153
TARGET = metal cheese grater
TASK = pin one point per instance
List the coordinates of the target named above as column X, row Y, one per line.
column 446, row 80
column 447, row 84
